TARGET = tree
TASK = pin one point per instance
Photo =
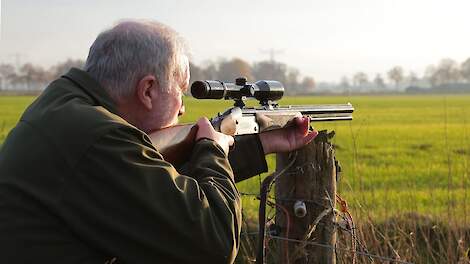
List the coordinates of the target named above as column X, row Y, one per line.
column 396, row 75
column 30, row 75
column 429, row 75
column 63, row 67
column 344, row 82
column 379, row 81
column 195, row 72
column 412, row 78
column 270, row 70
column 7, row 72
column 447, row 71
column 292, row 80
column 465, row 70
column 308, row 84
column 209, row 71
column 230, row 70
column 360, row 79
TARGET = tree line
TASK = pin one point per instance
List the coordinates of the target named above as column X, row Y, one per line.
column 229, row 70
column 445, row 73
column 35, row 77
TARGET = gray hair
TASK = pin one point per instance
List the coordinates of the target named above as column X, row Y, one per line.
column 124, row 54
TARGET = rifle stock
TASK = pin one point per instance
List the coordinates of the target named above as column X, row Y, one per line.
column 175, row 143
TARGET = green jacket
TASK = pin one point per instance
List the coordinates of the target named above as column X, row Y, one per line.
column 78, row 184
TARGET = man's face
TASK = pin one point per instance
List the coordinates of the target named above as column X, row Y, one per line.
column 169, row 106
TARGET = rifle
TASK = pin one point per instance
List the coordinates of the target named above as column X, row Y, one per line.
column 175, row 143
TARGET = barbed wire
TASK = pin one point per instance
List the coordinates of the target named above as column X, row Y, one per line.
column 277, row 199
column 362, row 253
column 349, row 230
column 342, row 249
column 265, row 189
column 348, row 222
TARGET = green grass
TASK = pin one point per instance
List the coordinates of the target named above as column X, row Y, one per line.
column 400, row 153
column 11, row 108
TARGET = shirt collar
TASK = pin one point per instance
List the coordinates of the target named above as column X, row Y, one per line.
column 92, row 88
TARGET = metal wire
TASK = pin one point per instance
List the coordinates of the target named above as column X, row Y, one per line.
column 363, row 253
column 341, row 249
column 350, row 230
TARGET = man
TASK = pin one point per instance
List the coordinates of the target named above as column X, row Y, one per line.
column 80, row 181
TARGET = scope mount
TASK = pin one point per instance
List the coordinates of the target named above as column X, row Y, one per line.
column 246, row 90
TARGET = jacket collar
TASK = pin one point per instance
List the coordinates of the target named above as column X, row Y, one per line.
column 92, row 88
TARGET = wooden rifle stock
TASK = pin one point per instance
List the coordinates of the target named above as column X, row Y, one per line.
column 175, row 143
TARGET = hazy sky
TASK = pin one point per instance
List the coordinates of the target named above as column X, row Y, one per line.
column 322, row 38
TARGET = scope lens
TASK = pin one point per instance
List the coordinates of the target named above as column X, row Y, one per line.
column 199, row 89
column 208, row 89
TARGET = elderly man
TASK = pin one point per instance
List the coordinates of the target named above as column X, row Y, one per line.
column 80, row 181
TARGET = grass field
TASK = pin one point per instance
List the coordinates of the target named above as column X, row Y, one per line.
column 400, row 154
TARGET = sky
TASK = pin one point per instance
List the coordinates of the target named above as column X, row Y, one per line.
column 323, row 39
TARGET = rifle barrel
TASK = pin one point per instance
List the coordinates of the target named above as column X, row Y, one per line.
column 329, row 117
column 342, row 111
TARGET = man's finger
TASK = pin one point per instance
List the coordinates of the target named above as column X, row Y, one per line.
column 302, row 124
column 231, row 141
column 310, row 136
column 203, row 121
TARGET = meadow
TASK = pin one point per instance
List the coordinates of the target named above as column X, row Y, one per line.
column 400, row 156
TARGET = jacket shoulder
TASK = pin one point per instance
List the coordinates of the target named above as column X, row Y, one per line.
column 70, row 120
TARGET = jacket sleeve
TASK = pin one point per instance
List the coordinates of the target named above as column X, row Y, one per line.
column 126, row 201
column 247, row 157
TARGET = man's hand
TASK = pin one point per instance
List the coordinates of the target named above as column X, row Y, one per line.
column 289, row 138
column 205, row 130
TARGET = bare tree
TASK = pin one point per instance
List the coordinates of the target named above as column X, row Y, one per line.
column 344, row 82
column 209, row 70
column 196, row 72
column 412, row 78
column 429, row 75
column 270, row 70
column 396, row 75
column 379, row 81
column 62, row 67
column 7, row 72
column 360, row 79
column 292, row 80
column 447, row 71
column 230, row 70
column 308, row 84
column 465, row 70
column 27, row 75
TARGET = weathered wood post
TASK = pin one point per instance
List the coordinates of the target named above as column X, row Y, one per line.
column 311, row 180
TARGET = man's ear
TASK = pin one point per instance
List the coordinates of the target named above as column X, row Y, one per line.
column 146, row 90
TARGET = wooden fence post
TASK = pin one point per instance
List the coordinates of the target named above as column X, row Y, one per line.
column 310, row 181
